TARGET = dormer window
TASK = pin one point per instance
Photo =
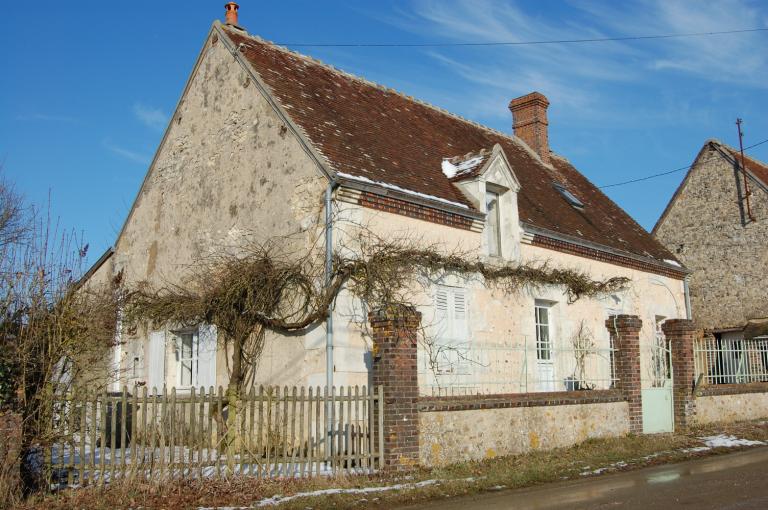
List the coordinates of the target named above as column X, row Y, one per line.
column 492, row 223
column 568, row 196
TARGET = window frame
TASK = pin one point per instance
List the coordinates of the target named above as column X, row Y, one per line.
column 568, row 195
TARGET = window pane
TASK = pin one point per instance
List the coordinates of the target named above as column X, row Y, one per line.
column 186, row 346
column 492, row 223
column 186, row 373
column 543, row 344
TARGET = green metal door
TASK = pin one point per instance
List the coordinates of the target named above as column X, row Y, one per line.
column 657, row 400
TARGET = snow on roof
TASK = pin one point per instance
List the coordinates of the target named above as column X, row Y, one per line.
column 464, row 166
column 366, row 180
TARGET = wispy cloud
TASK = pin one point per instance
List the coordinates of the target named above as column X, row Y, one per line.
column 590, row 81
column 719, row 58
column 152, row 117
column 136, row 157
column 43, row 117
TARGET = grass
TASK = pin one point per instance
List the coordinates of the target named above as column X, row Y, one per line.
column 511, row 472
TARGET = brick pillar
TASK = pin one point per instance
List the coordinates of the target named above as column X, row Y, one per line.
column 625, row 333
column 681, row 334
column 395, row 368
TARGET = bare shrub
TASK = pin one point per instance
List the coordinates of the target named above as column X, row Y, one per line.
column 52, row 329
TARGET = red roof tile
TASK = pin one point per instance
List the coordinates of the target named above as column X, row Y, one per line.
column 757, row 168
column 370, row 131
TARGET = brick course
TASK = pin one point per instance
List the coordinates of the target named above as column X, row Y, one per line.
column 732, row 389
column 418, row 211
column 395, row 368
column 503, row 401
column 604, row 256
column 681, row 334
column 625, row 334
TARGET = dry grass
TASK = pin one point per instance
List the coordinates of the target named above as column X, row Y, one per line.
column 508, row 472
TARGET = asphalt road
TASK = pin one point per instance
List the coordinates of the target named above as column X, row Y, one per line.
column 732, row 481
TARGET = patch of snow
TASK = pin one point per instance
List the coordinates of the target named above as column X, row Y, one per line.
column 695, row 449
column 724, row 441
column 615, row 465
column 710, row 442
column 672, row 262
column 277, row 500
column 402, row 190
column 449, row 169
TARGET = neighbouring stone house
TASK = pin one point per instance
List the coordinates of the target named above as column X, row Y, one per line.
column 259, row 135
column 717, row 224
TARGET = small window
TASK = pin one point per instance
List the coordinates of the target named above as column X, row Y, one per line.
column 492, row 227
column 543, row 332
column 568, row 196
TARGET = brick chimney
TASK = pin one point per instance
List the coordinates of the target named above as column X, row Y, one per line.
column 529, row 114
column 231, row 13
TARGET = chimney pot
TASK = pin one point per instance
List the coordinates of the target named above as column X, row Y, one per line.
column 231, row 13
column 529, row 114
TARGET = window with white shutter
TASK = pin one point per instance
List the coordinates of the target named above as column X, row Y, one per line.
column 196, row 357
column 451, row 344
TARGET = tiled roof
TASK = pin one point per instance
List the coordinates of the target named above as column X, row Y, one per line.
column 375, row 133
column 757, row 168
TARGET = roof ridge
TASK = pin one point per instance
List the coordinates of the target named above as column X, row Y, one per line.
column 386, row 88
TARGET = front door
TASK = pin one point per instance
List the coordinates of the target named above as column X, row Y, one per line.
column 657, row 399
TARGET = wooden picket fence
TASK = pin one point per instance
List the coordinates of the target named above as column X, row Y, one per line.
column 295, row 432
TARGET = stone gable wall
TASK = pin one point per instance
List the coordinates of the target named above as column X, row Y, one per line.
column 729, row 260
column 228, row 169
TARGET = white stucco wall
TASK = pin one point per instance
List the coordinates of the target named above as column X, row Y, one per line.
column 502, row 325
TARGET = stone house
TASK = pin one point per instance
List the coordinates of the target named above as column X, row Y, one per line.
column 262, row 135
column 716, row 225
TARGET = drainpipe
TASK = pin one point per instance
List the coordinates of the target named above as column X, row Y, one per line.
column 329, row 319
column 687, row 290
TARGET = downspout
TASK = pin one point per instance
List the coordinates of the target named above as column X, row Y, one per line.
column 328, row 271
column 687, row 290
column 329, row 318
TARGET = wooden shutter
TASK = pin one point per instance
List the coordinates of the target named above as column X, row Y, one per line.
column 451, row 328
column 156, row 366
column 459, row 326
column 206, row 361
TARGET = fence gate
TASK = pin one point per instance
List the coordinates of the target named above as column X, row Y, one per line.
column 657, row 399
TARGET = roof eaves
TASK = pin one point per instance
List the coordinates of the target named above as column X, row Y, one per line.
column 95, row 267
column 601, row 247
column 732, row 155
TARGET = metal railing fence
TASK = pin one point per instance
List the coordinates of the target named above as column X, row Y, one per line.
column 731, row 361
column 514, row 367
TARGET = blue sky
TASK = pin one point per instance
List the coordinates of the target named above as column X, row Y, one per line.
column 88, row 86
